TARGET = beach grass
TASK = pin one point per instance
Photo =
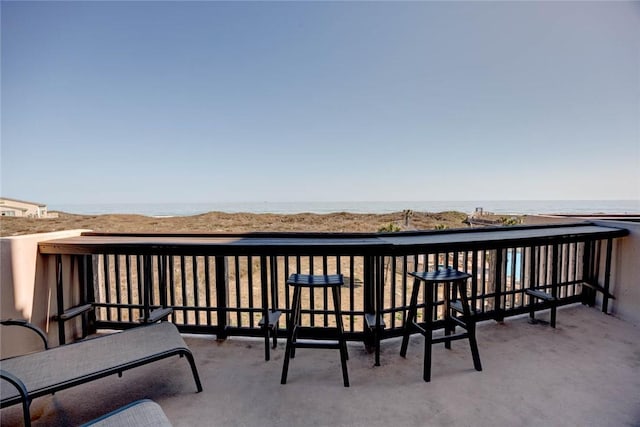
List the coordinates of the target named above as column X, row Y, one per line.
column 217, row 222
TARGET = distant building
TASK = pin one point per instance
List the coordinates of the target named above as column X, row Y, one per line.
column 20, row 208
column 483, row 218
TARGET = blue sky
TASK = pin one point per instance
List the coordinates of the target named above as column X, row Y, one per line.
column 319, row 101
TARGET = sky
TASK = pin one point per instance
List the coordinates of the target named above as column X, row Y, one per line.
column 151, row 102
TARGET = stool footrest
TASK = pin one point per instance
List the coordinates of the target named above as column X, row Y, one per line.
column 457, row 306
column 459, row 322
column 459, row 336
column 447, row 338
column 74, row 311
column 539, row 294
column 274, row 316
column 599, row 288
column 370, row 319
column 333, row 344
column 419, row 327
column 157, row 314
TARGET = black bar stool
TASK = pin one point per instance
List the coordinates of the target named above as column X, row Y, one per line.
column 299, row 281
column 447, row 276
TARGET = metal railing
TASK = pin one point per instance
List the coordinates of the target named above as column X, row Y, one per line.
column 229, row 294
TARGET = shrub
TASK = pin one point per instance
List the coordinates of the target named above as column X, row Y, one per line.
column 389, row 228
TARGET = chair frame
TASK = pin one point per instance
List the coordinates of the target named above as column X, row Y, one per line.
column 109, row 365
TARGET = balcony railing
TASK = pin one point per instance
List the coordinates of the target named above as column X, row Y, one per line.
column 223, row 284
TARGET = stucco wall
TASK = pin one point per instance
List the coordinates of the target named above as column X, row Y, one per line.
column 28, row 291
column 625, row 272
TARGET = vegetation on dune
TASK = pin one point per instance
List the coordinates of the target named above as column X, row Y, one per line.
column 216, row 222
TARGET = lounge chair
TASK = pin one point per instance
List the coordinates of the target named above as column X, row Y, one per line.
column 141, row 413
column 45, row 372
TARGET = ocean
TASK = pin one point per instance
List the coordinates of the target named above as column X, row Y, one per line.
column 507, row 207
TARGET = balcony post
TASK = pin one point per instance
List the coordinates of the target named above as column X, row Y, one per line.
column 554, row 281
column 60, row 299
column 607, row 276
column 369, row 292
column 90, row 287
column 222, row 296
column 264, row 291
column 497, row 304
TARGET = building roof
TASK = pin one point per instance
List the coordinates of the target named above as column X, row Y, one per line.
column 2, row 199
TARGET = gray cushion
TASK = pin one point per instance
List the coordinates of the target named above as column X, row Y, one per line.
column 142, row 413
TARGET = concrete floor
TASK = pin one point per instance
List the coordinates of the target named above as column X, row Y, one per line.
column 586, row 372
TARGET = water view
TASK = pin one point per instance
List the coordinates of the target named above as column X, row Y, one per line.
column 513, row 207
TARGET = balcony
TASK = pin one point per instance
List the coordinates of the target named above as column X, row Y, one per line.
column 583, row 372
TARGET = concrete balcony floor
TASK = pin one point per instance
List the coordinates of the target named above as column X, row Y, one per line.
column 586, row 372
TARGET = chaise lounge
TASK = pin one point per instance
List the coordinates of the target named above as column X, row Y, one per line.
column 38, row 374
column 141, row 413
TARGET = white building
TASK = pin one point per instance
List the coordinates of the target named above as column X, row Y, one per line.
column 20, row 208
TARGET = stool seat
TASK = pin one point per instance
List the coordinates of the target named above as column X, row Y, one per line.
column 319, row 280
column 337, row 339
column 442, row 275
column 452, row 308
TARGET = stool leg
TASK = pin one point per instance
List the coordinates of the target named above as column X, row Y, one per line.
column 343, row 344
column 377, row 350
column 426, row 372
column 449, row 328
column 290, row 333
column 267, row 353
column 275, row 335
column 411, row 315
column 471, row 327
column 297, row 321
column 532, row 311
column 554, row 293
column 336, row 294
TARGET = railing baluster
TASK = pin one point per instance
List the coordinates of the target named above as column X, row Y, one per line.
column 107, row 285
column 497, row 304
column 250, row 287
column 183, row 288
column 392, row 291
column 484, row 272
column 116, row 268
column 196, row 290
column 264, row 294
column 352, row 290
column 607, row 276
column 273, row 260
column 140, row 286
column 127, row 266
column 474, row 281
column 238, row 289
column 287, row 297
column 221, row 294
column 207, row 289
column 172, row 280
column 325, row 293
column 312, row 301
column 574, row 267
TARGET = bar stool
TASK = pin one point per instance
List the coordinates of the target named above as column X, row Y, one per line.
column 447, row 276
column 299, row 281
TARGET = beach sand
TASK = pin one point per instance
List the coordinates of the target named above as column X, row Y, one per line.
column 215, row 222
